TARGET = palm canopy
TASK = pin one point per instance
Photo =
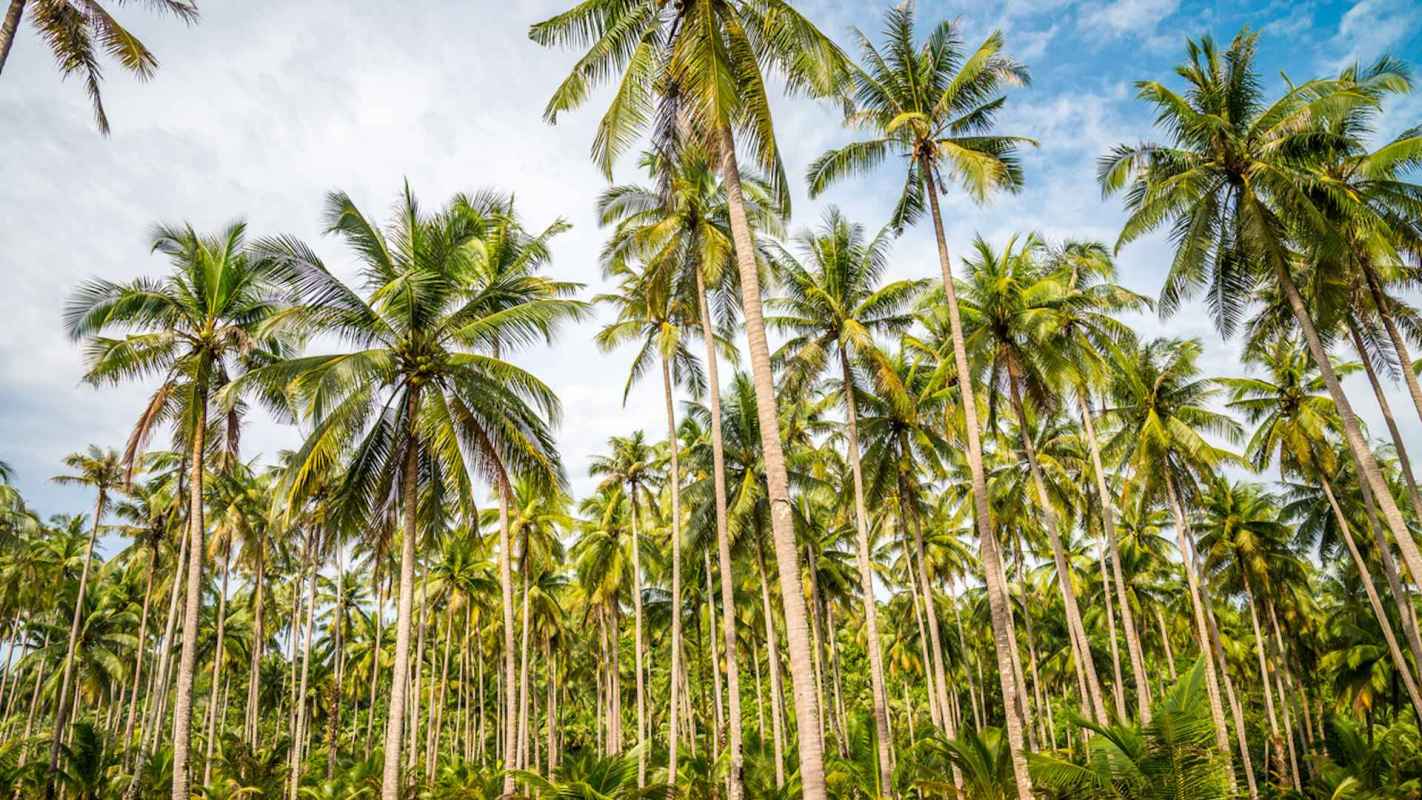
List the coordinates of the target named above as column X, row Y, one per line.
column 1287, row 407
column 445, row 294
column 653, row 314
column 1234, row 179
column 933, row 104
column 690, row 71
column 836, row 304
column 194, row 329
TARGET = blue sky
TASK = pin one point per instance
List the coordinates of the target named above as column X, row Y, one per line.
column 265, row 106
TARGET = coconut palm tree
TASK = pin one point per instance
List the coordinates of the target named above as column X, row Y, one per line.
column 836, row 303
column 102, row 471
column 935, row 105
column 1235, row 180
column 423, row 403
column 77, row 32
column 652, row 310
column 680, row 227
column 701, row 65
column 195, row 329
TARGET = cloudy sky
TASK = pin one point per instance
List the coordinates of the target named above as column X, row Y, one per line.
column 265, row 106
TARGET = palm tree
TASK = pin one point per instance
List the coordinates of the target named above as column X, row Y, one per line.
column 1235, row 181
column 196, row 328
column 101, row 470
column 703, row 63
column 1161, row 414
column 833, row 310
column 936, row 108
column 422, row 404
column 1012, row 304
column 652, row 310
column 683, row 226
column 76, row 32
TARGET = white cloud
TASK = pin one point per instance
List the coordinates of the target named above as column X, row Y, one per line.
column 1125, row 17
column 1371, row 27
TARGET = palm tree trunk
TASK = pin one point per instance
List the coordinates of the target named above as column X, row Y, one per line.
column 994, row 577
column 787, row 558
column 735, row 777
column 715, row 660
column 379, row 617
column 1399, row 662
column 1399, row 344
column 434, row 723
column 938, row 683
column 254, row 674
column 1236, row 712
column 1405, row 611
column 217, row 660
column 62, row 708
column 1352, row 432
column 417, row 671
column 1118, row 691
column 509, row 688
column 337, row 696
column 772, row 662
column 1264, row 671
column 152, row 701
column 1108, row 523
column 187, row 659
column 1202, row 630
column 390, row 783
column 523, row 687
column 637, row 646
column 139, row 651
column 674, row 682
column 1165, row 644
column 878, row 691
column 1081, row 645
column 299, row 759
column 8, row 29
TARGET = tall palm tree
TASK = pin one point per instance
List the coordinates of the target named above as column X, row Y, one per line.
column 680, row 227
column 835, row 306
column 650, row 309
column 935, row 105
column 702, row 66
column 422, row 404
column 77, row 32
column 1161, row 415
column 1235, row 181
column 1012, row 304
column 195, row 329
column 102, row 471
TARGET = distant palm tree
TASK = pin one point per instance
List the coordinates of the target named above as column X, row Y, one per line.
column 196, row 328
column 935, row 105
column 101, row 470
column 836, row 305
column 76, row 32
column 423, row 404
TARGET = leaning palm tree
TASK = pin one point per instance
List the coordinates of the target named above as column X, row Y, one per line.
column 836, row 303
column 195, row 329
column 420, row 403
column 699, row 68
column 102, row 471
column 650, row 309
column 76, row 32
column 1238, row 184
column 935, row 106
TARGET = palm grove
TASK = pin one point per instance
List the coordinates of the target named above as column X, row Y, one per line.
column 964, row 535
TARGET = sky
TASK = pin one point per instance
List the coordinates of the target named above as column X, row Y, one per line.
column 264, row 107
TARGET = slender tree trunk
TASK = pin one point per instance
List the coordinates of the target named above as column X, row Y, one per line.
column 139, row 652
column 1240, row 734
column 673, row 683
column 772, row 661
column 1384, row 305
column 417, row 672
column 390, row 781
column 938, row 683
column 1118, row 691
column 216, row 666
column 523, row 686
column 509, row 688
column 151, row 722
column 735, row 778
column 1108, row 524
column 877, row 689
column 812, row 771
column 1405, row 611
column 34, row 705
column 1081, row 645
column 994, row 577
column 1399, row 662
column 379, row 616
column 254, row 674
column 8, row 29
column 715, row 659
column 1264, row 671
column 1202, row 630
column 61, row 710
column 637, row 645
column 299, row 757
column 337, row 696
column 187, row 660
column 434, row 723
column 1352, row 432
